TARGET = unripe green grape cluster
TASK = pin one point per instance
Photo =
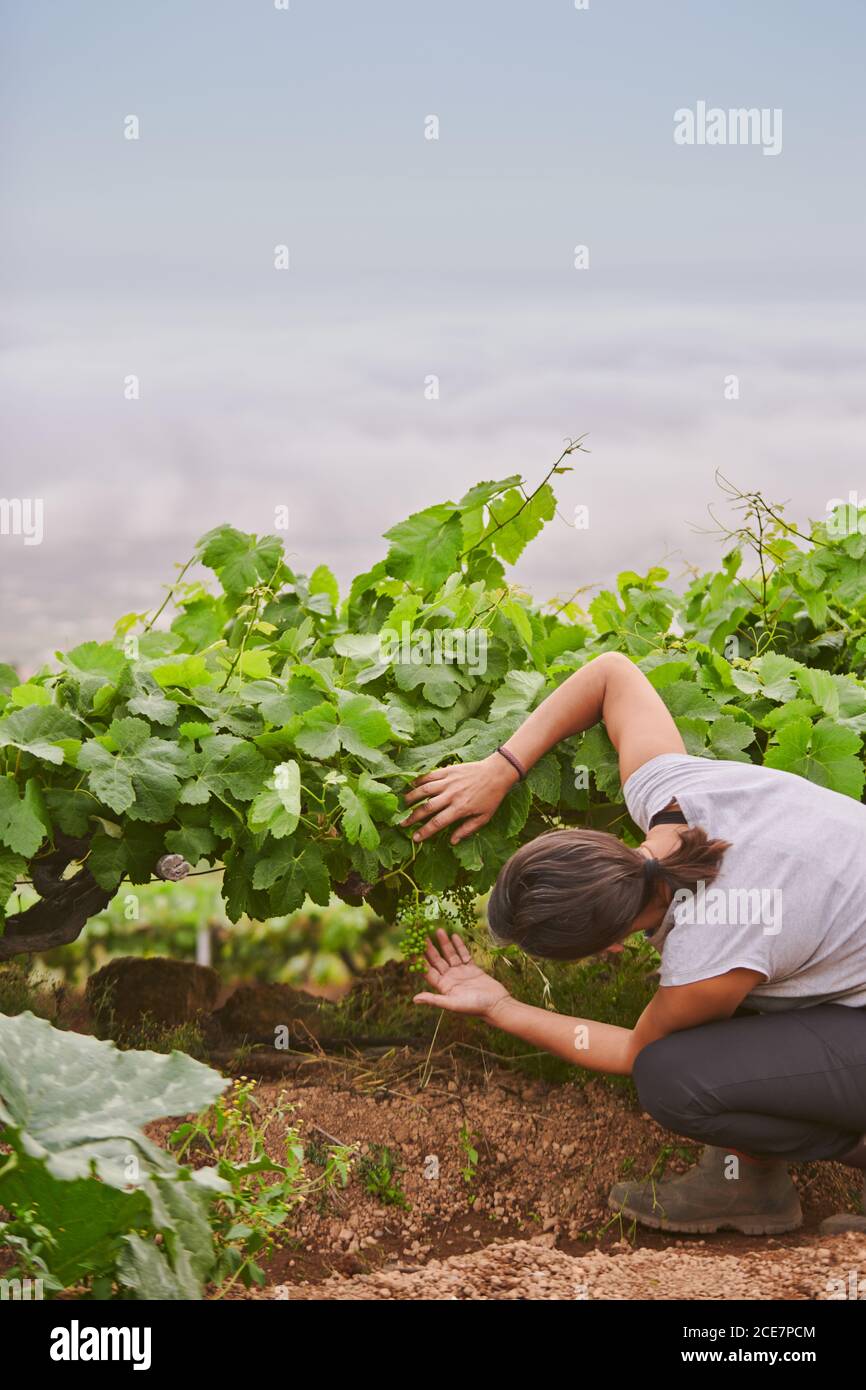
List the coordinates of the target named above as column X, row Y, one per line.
column 458, row 905
column 416, row 932
column 454, row 911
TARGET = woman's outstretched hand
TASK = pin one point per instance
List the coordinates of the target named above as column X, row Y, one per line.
column 460, row 985
column 466, row 792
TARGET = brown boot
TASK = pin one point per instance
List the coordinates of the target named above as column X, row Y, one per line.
column 761, row 1201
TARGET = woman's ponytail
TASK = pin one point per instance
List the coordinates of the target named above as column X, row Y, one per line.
column 696, row 859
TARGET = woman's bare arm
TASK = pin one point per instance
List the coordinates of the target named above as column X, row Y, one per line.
column 610, row 688
column 605, row 1047
column 460, row 986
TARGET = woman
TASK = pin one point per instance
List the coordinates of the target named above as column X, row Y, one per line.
column 752, row 884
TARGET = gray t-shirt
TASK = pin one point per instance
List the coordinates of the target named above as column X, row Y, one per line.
column 790, row 899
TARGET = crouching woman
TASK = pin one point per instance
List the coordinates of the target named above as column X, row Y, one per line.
column 751, row 883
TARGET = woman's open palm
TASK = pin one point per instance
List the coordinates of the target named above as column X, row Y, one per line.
column 460, row 984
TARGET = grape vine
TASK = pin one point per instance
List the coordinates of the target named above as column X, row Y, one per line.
column 267, row 725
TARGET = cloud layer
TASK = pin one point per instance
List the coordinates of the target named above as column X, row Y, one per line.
column 318, row 403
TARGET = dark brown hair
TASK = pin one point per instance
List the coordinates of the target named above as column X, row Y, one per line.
column 570, row 893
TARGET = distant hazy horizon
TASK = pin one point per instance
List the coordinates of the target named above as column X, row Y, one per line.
column 412, row 258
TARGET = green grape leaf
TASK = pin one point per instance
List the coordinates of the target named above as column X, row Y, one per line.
column 519, row 618
column 8, row 678
column 694, row 733
column 142, row 778
column 182, row 673
column 364, row 646
column 518, row 694
column 357, row 822
column 30, row 694
column 821, row 688
column 226, row 765
column 596, row 753
column 107, row 860
column 517, row 807
column 194, row 842
column 319, row 736
column 23, row 819
column 277, row 809
column 70, row 808
column 39, row 730
column 515, row 521
column 826, row 753
column 322, row 581
column 363, row 723
column 425, row 548
column 241, row 561
column 484, row 853
column 200, row 622
column 196, row 729
column 729, row 737
column 292, row 875
column 544, row 779
column 783, row 714
column 440, row 683
column 154, row 706
column 435, row 867
column 687, row 698
column 255, row 663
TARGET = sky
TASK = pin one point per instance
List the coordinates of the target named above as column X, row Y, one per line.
column 410, row 258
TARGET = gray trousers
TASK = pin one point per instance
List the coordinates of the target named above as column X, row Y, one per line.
column 784, row 1085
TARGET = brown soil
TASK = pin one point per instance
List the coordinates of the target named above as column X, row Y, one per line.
column 530, row 1219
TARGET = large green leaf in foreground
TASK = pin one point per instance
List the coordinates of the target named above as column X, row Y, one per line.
column 71, row 1109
